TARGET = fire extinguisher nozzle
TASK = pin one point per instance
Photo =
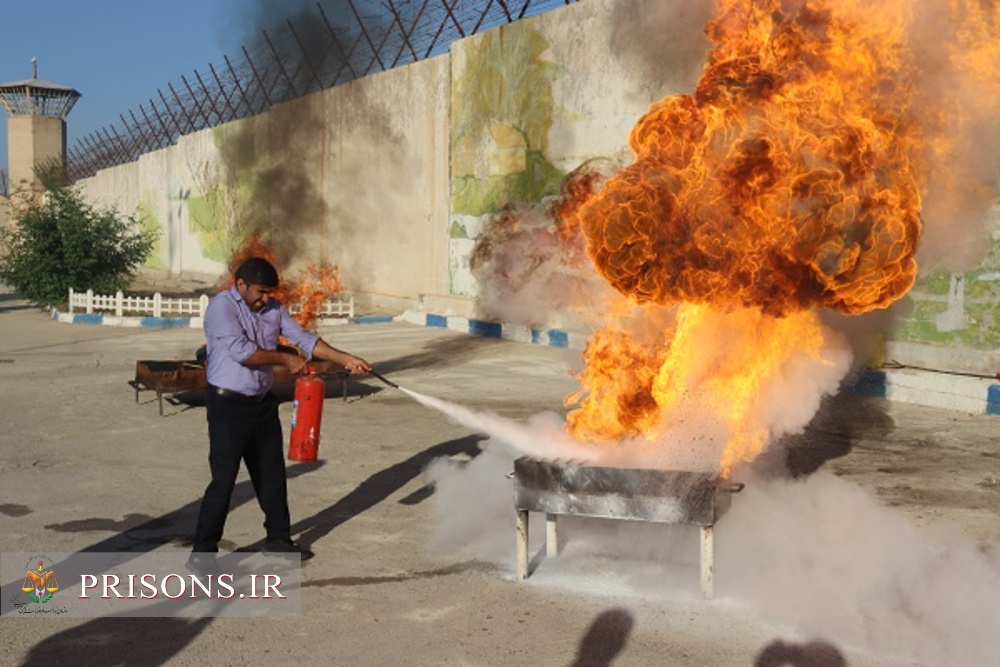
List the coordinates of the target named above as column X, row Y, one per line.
column 391, row 384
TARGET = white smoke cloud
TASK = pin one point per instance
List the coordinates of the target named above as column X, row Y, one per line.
column 823, row 554
column 818, row 555
column 530, row 275
column 532, row 270
column 958, row 98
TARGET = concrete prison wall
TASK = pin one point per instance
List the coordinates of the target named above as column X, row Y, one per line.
column 393, row 177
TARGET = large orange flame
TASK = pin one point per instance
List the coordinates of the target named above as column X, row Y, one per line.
column 783, row 183
column 792, row 179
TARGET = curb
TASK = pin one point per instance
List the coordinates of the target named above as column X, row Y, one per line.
column 116, row 321
column 512, row 332
column 488, row 329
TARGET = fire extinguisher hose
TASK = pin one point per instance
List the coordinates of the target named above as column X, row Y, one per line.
column 383, row 379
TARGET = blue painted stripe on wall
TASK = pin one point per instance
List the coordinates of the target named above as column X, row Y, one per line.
column 536, row 336
column 993, row 400
column 372, row 319
column 88, row 318
column 165, row 322
column 482, row 328
column 437, row 321
column 558, row 338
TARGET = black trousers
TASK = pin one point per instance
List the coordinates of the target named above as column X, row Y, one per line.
column 249, row 432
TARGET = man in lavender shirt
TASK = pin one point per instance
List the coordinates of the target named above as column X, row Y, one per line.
column 242, row 326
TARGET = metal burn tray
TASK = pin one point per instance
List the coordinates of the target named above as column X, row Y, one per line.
column 168, row 377
column 172, row 377
column 633, row 494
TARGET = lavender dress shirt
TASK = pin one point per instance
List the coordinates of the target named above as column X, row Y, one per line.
column 234, row 332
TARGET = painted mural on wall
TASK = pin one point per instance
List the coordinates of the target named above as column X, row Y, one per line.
column 207, row 196
column 159, row 257
column 958, row 309
column 251, row 178
column 501, row 111
column 224, row 191
column 184, row 195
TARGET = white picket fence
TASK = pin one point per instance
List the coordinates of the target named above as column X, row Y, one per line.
column 160, row 306
column 342, row 307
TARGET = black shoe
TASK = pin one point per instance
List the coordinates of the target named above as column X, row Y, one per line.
column 286, row 546
column 203, row 562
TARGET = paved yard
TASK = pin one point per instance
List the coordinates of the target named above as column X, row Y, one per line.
column 882, row 551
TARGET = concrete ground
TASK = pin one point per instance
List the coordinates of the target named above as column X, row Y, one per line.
column 879, row 547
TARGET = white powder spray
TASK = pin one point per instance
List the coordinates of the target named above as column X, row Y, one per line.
column 819, row 554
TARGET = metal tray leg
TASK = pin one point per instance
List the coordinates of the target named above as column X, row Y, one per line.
column 522, row 544
column 551, row 536
column 707, row 562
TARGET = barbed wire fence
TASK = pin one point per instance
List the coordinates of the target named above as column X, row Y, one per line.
column 315, row 50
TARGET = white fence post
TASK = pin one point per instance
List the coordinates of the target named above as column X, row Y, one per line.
column 157, row 305
column 119, row 297
column 71, row 300
column 202, row 305
column 90, row 301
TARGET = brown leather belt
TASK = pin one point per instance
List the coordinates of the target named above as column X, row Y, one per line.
column 237, row 396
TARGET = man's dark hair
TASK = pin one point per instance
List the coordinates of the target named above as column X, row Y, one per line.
column 257, row 271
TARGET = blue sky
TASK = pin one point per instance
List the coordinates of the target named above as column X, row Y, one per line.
column 117, row 53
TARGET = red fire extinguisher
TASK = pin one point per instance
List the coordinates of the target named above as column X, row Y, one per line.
column 307, row 412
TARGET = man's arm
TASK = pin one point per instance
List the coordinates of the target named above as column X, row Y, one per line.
column 320, row 349
column 224, row 331
column 326, row 352
column 295, row 363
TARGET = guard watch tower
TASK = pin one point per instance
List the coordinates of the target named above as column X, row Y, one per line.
column 36, row 129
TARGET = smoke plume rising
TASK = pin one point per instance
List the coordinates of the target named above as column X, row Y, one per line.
column 530, row 263
column 274, row 161
column 957, row 62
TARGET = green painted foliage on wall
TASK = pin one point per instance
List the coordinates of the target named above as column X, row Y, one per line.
column 981, row 296
column 158, row 255
column 502, row 110
column 478, row 197
column 206, row 220
column 221, row 214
